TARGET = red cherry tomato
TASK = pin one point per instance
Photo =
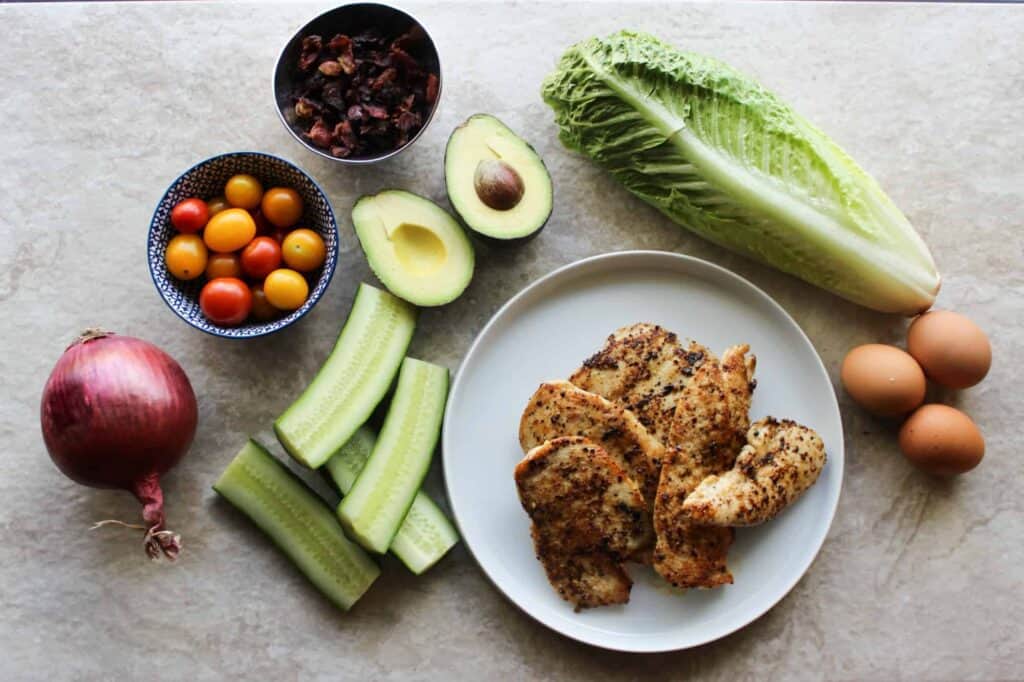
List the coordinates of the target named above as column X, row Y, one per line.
column 190, row 216
column 263, row 226
column 260, row 257
column 226, row 301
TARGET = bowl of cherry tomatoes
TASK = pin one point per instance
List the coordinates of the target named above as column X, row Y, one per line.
column 242, row 244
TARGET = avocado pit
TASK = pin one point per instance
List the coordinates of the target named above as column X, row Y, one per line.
column 498, row 184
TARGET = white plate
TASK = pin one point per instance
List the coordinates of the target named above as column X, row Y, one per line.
column 545, row 332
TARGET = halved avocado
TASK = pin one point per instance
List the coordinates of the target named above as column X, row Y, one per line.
column 497, row 183
column 414, row 246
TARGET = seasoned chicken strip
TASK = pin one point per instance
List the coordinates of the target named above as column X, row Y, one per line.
column 585, row 580
column 558, row 408
column 588, row 516
column 781, row 460
column 644, row 369
column 685, row 554
column 738, row 383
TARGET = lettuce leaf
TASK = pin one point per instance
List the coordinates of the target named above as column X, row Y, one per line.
column 725, row 158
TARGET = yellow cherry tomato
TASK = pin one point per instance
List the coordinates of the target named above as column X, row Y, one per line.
column 243, row 191
column 229, row 230
column 285, row 289
column 216, row 205
column 303, row 250
column 186, row 256
column 281, row 206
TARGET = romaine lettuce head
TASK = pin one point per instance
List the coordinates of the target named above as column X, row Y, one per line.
column 725, row 158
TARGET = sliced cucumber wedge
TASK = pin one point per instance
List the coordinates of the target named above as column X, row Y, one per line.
column 299, row 522
column 374, row 508
column 425, row 535
column 353, row 380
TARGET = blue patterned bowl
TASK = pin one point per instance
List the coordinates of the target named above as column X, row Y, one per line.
column 206, row 180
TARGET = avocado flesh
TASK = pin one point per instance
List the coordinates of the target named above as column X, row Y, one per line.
column 481, row 138
column 416, row 248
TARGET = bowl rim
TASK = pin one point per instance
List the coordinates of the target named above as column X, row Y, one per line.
column 329, row 265
column 370, row 160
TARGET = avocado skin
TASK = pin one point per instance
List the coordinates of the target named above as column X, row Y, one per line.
column 480, row 236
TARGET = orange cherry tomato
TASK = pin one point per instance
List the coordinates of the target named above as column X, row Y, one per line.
column 282, row 206
column 243, row 191
column 226, row 301
column 223, row 265
column 286, row 289
column 229, row 230
column 189, row 216
column 303, row 250
column 216, row 205
column 261, row 308
column 260, row 257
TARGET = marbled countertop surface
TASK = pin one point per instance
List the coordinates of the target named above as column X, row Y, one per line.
column 104, row 105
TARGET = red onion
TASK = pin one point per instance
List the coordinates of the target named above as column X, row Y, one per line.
column 118, row 412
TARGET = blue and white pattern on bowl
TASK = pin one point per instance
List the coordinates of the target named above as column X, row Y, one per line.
column 206, row 180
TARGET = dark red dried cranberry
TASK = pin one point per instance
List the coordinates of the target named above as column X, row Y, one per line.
column 376, row 111
column 310, row 51
column 319, row 134
column 432, row 86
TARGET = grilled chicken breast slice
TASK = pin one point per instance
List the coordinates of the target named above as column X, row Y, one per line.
column 738, row 383
column 585, row 580
column 558, row 408
column 644, row 369
column 781, row 460
column 588, row 516
column 685, row 554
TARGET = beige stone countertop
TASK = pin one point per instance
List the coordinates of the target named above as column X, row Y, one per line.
column 104, row 105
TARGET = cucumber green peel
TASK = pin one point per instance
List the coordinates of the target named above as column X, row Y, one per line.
column 299, row 522
column 374, row 508
column 353, row 380
column 425, row 535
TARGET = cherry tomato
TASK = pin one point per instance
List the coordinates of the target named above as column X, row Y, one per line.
column 223, row 265
column 229, row 230
column 282, row 206
column 186, row 256
column 261, row 308
column 286, row 289
column 190, row 215
column 226, row 300
column 279, row 234
column 243, row 191
column 263, row 226
column 260, row 257
column 216, row 205
column 303, row 250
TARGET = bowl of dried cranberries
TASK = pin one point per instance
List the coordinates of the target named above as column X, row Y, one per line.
column 359, row 83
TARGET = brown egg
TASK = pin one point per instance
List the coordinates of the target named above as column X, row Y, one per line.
column 941, row 440
column 883, row 380
column 952, row 350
